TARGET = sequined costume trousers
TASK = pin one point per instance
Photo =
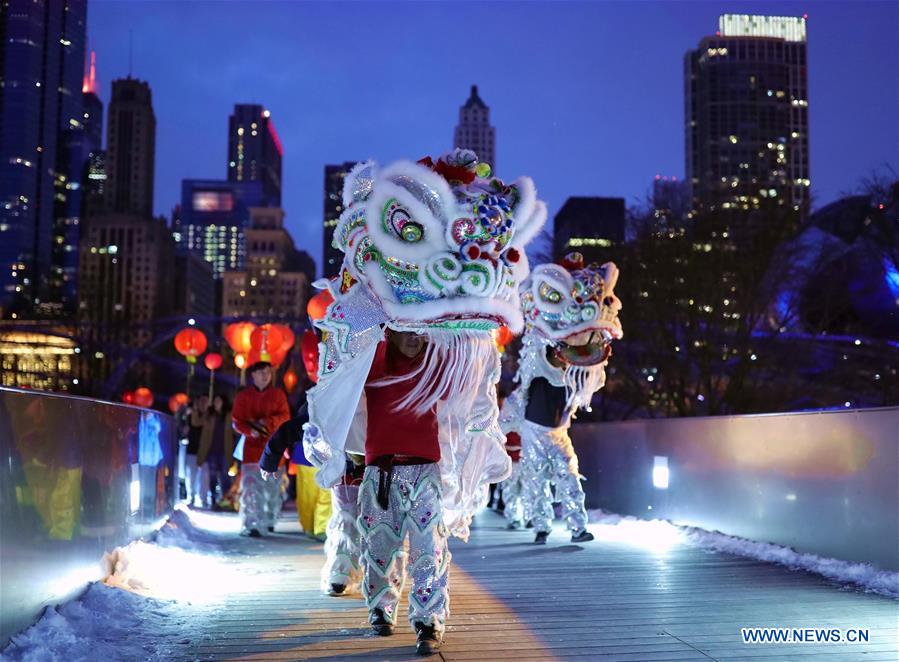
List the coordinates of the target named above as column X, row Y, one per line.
column 257, row 504
column 342, row 546
column 513, row 494
column 547, row 460
column 413, row 511
column 274, row 495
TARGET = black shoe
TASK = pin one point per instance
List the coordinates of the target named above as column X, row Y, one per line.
column 540, row 538
column 337, row 589
column 582, row 536
column 427, row 641
column 529, row 525
column 254, row 533
column 379, row 623
column 271, row 529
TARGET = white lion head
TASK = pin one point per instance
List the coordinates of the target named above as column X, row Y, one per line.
column 574, row 308
column 441, row 244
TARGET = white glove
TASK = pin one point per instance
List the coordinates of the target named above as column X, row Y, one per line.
column 266, row 475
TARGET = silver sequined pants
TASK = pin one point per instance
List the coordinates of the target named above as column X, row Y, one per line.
column 512, row 490
column 342, row 546
column 260, row 500
column 414, row 512
column 548, row 459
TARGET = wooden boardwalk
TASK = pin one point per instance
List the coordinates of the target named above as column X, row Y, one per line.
column 510, row 599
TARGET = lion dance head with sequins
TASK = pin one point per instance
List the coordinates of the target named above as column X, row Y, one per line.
column 436, row 248
column 571, row 319
column 440, row 244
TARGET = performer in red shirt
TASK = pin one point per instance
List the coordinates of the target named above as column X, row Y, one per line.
column 401, row 496
column 259, row 410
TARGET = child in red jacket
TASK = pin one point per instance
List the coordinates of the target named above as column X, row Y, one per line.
column 259, row 410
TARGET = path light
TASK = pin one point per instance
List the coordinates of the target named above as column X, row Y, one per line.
column 660, row 473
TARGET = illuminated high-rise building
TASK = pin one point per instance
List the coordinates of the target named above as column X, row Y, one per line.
column 42, row 56
column 474, row 131
column 273, row 284
column 254, row 150
column 213, row 219
column 746, row 94
column 334, row 176
column 589, row 225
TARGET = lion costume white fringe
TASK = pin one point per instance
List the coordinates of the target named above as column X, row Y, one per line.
column 571, row 319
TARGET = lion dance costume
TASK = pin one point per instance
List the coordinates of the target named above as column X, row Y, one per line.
column 571, row 318
column 435, row 249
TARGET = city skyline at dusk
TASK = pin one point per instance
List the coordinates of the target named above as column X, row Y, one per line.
column 601, row 117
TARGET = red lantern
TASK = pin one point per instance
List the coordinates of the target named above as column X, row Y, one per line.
column 177, row 401
column 190, row 343
column 504, row 336
column 128, row 397
column 287, row 337
column 309, row 350
column 318, row 305
column 290, row 380
column 237, row 336
column 267, row 341
column 143, row 397
column 213, row 361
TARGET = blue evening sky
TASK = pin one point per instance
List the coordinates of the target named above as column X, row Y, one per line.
column 586, row 97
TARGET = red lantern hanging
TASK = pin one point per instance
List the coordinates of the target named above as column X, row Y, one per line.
column 143, row 397
column 287, row 337
column 190, row 343
column 237, row 336
column 128, row 397
column 290, row 380
column 213, row 361
column 318, row 305
column 177, row 401
column 309, row 350
column 266, row 341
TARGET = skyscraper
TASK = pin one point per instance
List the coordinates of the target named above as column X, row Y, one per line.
column 589, row 225
column 254, row 150
column 474, row 131
column 130, row 149
column 42, row 55
column 273, row 285
column 746, row 95
column 76, row 192
column 334, row 176
column 93, row 181
column 214, row 216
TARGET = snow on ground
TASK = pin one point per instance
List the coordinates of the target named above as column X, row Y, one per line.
column 191, row 563
column 660, row 535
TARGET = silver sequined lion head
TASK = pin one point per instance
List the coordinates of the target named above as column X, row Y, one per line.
column 440, row 244
column 575, row 308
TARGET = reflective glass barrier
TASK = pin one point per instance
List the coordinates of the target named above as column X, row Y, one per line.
column 822, row 482
column 78, row 477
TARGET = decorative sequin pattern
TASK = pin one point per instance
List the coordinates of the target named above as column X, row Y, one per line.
column 413, row 513
column 548, row 460
column 343, row 550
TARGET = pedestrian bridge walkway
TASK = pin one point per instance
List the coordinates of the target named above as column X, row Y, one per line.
column 625, row 596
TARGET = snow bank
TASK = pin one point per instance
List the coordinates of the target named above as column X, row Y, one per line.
column 188, row 564
column 103, row 624
column 660, row 535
